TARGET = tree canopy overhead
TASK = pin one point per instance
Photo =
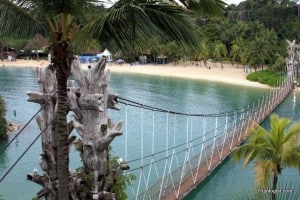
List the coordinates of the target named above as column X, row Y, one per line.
column 123, row 21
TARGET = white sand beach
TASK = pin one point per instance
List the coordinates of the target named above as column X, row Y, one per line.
column 229, row 74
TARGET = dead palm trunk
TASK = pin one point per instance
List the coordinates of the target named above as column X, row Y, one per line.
column 45, row 97
column 97, row 131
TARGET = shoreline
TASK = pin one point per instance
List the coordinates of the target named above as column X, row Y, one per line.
column 229, row 74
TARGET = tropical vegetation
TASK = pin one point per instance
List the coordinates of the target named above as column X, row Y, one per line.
column 272, row 150
column 3, row 123
column 267, row 77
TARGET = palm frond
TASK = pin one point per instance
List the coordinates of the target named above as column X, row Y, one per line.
column 272, row 149
column 53, row 8
column 173, row 22
column 263, row 171
column 18, row 19
column 278, row 127
column 290, row 154
column 246, row 152
column 130, row 22
column 205, row 7
column 28, row 17
column 294, row 130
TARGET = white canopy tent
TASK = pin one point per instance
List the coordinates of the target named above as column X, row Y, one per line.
column 107, row 54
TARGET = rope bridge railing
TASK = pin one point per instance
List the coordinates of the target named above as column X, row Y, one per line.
column 172, row 152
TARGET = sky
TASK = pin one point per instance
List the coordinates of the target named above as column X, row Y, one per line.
column 236, row 2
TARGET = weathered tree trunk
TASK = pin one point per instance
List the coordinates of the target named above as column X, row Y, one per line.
column 92, row 123
column 46, row 98
column 89, row 102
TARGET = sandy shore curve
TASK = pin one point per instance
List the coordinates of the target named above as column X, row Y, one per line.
column 229, row 74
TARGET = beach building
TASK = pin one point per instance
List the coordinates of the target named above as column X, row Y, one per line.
column 35, row 48
column 7, row 53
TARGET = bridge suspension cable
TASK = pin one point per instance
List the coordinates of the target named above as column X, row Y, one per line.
column 21, row 130
column 26, row 150
column 156, row 109
column 178, row 147
column 31, row 144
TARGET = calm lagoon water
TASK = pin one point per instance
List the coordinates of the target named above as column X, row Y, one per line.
column 182, row 95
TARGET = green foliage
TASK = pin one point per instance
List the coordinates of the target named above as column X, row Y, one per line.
column 87, row 178
column 121, row 181
column 117, row 183
column 265, row 77
column 274, row 17
column 279, row 65
column 219, row 51
column 120, row 184
column 16, row 43
column 3, row 123
column 103, row 127
column 2, row 107
column 3, row 128
column 272, row 151
column 260, row 51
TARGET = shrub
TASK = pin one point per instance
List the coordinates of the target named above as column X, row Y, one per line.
column 120, row 183
column 3, row 123
column 265, row 77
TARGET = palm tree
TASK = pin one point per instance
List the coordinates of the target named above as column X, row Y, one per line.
column 204, row 52
column 219, row 52
column 272, row 150
column 65, row 24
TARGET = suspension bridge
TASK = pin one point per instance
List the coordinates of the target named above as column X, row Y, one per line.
column 171, row 152
column 176, row 151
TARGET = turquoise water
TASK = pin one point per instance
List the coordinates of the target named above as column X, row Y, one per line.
column 181, row 95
